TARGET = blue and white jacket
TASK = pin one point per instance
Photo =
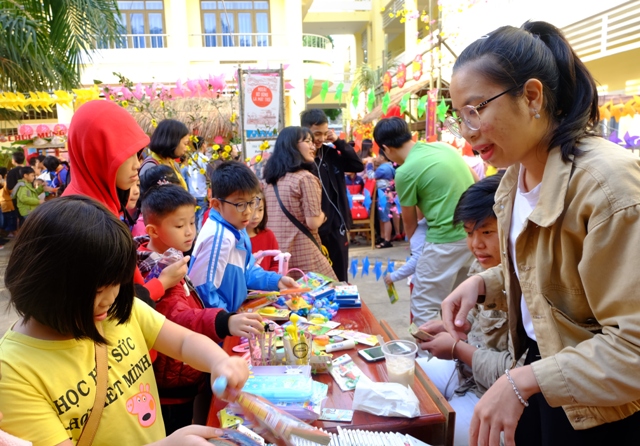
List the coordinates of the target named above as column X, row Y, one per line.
column 223, row 268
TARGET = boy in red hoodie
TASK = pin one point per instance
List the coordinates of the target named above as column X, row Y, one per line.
column 169, row 216
column 104, row 142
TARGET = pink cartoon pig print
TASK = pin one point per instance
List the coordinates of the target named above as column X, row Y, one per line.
column 143, row 405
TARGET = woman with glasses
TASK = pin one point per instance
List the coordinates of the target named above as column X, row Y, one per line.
column 294, row 196
column 568, row 213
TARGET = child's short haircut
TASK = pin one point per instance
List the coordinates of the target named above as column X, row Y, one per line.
column 391, row 132
column 162, row 200
column 233, row 176
column 18, row 156
column 476, row 203
column 51, row 163
column 313, row 116
column 67, row 250
column 26, row 171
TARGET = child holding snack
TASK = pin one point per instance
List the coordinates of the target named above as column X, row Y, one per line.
column 169, row 215
column 52, row 356
column 262, row 239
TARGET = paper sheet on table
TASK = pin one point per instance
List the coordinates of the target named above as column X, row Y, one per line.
column 386, row 399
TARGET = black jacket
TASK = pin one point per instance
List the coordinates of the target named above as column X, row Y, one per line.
column 332, row 164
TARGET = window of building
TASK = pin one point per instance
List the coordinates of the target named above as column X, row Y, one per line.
column 142, row 24
column 229, row 23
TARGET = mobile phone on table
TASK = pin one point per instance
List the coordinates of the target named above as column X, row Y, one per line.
column 372, row 354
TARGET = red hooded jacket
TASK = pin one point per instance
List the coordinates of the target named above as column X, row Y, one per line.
column 102, row 135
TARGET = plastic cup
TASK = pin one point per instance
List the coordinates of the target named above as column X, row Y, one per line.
column 400, row 358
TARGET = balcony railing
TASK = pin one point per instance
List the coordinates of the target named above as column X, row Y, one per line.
column 258, row 40
column 136, row 41
column 235, row 39
column 611, row 32
column 392, row 7
column 315, row 41
column 340, row 5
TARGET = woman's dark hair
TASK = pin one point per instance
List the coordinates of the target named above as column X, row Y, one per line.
column 476, row 203
column 391, row 132
column 263, row 224
column 538, row 50
column 167, row 136
column 26, row 170
column 67, row 250
column 51, row 163
column 367, row 145
column 286, row 157
column 233, row 176
column 161, row 200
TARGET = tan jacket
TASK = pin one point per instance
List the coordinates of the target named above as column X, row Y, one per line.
column 577, row 257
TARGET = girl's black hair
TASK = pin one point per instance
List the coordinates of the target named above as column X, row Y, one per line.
column 263, row 224
column 367, row 145
column 538, row 50
column 67, row 250
column 51, row 163
column 167, row 136
column 161, row 200
column 155, row 176
column 476, row 203
column 286, row 157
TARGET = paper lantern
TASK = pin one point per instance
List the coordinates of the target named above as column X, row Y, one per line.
column 401, row 75
column 25, row 130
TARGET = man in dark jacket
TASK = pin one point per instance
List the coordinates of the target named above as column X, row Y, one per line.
column 334, row 157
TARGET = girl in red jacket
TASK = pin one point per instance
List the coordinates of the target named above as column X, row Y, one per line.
column 262, row 239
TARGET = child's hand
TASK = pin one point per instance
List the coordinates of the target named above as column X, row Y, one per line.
column 245, row 324
column 193, row 435
column 236, row 370
column 287, row 282
column 173, row 274
column 387, row 279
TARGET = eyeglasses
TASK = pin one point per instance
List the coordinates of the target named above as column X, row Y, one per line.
column 470, row 116
column 243, row 205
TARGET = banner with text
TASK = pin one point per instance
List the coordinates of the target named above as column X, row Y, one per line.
column 261, row 105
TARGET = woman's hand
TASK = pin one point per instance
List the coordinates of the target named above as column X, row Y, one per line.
column 287, row 282
column 433, row 327
column 457, row 305
column 440, row 346
column 193, row 435
column 174, row 273
column 499, row 409
column 246, row 324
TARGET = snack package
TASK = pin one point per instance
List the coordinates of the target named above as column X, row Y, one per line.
column 392, row 293
column 170, row 257
column 233, row 437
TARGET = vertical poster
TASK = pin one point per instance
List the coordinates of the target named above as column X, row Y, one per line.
column 431, row 114
column 261, row 106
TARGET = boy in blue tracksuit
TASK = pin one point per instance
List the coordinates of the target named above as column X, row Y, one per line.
column 223, row 268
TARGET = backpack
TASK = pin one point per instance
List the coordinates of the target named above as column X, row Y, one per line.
column 62, row 185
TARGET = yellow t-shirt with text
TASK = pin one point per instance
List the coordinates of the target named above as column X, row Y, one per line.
column 48, row 388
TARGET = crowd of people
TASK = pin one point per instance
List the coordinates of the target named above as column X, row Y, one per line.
column 522, row 278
